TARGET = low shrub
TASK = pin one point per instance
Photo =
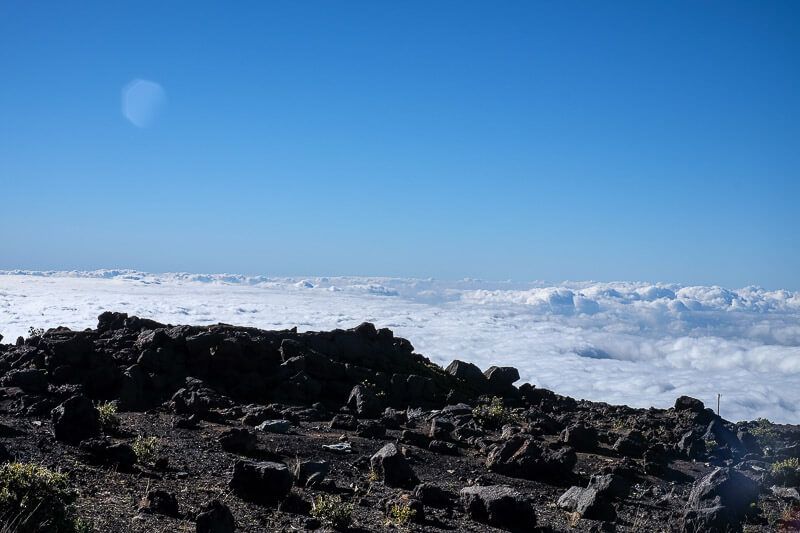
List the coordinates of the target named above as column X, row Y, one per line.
column 332, row 511
column 35, row 499
column 401, row 515
column 108, row 416
column 494, row 414
column 786, row 472
column 146, row 449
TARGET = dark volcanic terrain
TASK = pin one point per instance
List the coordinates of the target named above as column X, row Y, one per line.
column 183, row 428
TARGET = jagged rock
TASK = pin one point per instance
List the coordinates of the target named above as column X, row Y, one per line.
column 392, row 467
column 469, row 374
column 596, row 500
column 687, row 403
column 5, row 455
column 31, row 380
column 719, row 500
column 344, row 421
column 364, row 401
column 75, row 420
column 581, row 437
column 310, row 473
column 724, row 437
column 433, row 496
column 521, row 457
column 159, row 502
column 692, row 445
column 371, row 430
column 441, row 428
column 393, row 418
column 274, row 426
column 443, row 447
column 415, row 439
column 498, row 505
column 656, row 460
column 214, row 517
column 501, row 378
column 630, row 445
column 238, row 440
column 263, row 482
column 104, row 451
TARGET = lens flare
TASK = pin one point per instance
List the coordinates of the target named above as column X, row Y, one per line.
column 142, row 102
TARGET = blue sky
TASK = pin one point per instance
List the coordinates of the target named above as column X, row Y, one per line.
column 524, row 140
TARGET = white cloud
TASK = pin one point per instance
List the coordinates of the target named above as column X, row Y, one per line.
column 634, row 343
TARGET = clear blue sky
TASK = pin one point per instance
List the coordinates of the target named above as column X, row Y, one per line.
column 527, row 140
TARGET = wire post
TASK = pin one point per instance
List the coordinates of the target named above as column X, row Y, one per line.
column 718, row 395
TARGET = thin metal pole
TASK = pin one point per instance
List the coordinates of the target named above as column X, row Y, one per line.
column 718, row 395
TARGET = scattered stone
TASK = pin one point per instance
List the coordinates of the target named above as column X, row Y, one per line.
column 75, row 420
column 498, row 505
column 310, row 473
column 596, row 500
column 364, row 402
column 214, row 517
column 263, row 482
column 433, row 496
column 238, row 440
column 719, row 500
column 30, row 380
column 519, row 456
column 159, row 502
column 371, row 430
column 274, row 426
column 104, row 451
column 344, row 421
column 339, row 447
column 443, row 447
column 392, row 467
column 581, row 437
column 469, row 374
column 687, row 403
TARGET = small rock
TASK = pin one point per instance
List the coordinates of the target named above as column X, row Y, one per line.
column 687, row 403
column 433, row 496
column 310, row 473
column 104, row 451
column 581, row 437
column 215, row 517
column 443, row 447
column 344, row 421
column 501, row 378
column 238, row 440
column 364, row 401
column 274, row 426
column 159, row 502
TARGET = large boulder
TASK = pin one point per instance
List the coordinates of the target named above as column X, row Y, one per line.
column 393, row 468
column 75, row 420
column 519, row 456
column 719, row 500
column 687, row 403
column 238, row 440
column 501, row 378
column 31, row 380
column 105, row 451
column 498, row 505
column 262, row 482
column 364, row 401
column 596, row 500
column 581, row 437
column 469, row 374
column 159, row 502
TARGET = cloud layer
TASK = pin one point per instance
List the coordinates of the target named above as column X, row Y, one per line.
column 634, row 343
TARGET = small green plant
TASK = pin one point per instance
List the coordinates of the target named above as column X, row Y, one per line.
column 494, row 414
column 35, row 332
column 786, row 472
column 711, row 446
column 332, row 511
column 764, row 431
column 36, row 499
column 145, row 449
column 401, row 514
column 373, row 475
column 108, row 416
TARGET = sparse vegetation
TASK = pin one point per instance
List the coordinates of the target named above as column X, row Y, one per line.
column 373, row 475
column 36, row 499
column 35, row 332
column 332, row 511
column 146, row 449
column 494, row 414
column 786, row 472
column 108, row 416
column 764, row 431
column 401, row 514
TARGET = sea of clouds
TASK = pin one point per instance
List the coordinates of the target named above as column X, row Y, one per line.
column 625, row 342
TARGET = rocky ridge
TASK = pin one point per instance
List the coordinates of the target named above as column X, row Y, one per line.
column 222, row 428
